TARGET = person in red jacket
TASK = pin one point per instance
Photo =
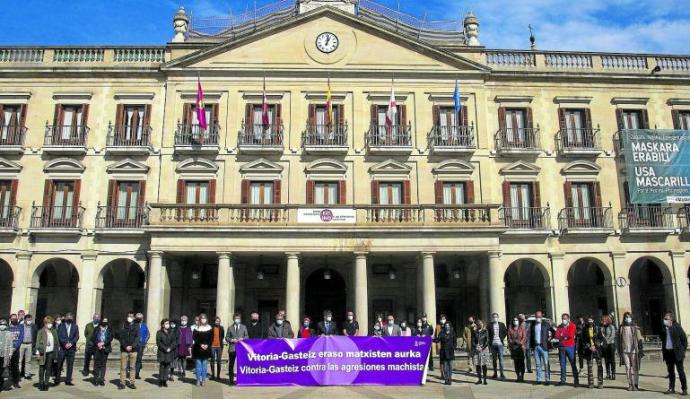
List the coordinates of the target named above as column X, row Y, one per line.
column 565, row 334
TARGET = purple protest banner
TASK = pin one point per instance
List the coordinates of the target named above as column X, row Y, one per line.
column 333, row 361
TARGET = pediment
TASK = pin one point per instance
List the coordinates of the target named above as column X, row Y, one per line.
column 64, row 165
column 128, row 166
column 454, row 167
column 520, row 168
column 390, row 166
column 196, row 166
column 326, row 166
column 8, row 167
column 261, row 166
column 581, row 168
column 291, row 44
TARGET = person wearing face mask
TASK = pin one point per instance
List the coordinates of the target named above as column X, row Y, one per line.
column 101, row 342
column 286, row 322
column 17, row 333
column 351, row 326
column 280, row 329
column 129, row 346
column 436, row 346
column 528, row 352
column 592, row 343
column 674, row 343
column 391, row 329
column 176, row 336
column 428, row 331
column 630, row 350
column 46, row 349
column 201, row 349
column 467, row 340
column 481, row 353
column 68, row 334
column 379, row 319
column 538, row 338
column 305, row 331
column 417, row 330
column 579, row 347
column 90, row 327
column 517, row 342
column 217, row 348
column 608, row 331
column 446, row 339
column 497, row 335
column 144, row 336
column 184, row 346
column 57, row 366
column 236, row 333
column 376, row 331
column 405, row 331
column 327, row 327
column 565, row 334
column 165, row 341
column 255, row 328
column 5, row 351
column 27, row 347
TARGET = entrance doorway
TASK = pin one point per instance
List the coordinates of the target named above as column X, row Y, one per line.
column 325, row 289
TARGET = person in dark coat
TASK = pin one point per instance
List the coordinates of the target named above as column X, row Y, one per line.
column 165, row 341
column 101, row 344
column 446, row 339
column 327, row 325
column 592, row 345
column 280, row 329
column 255, row 328
column 201, row 349
column 674, row 343
column 176, row 334
column 129, row 346
column 68, row 335
column 47, row 343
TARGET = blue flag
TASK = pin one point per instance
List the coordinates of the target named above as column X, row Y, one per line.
column 456, row 98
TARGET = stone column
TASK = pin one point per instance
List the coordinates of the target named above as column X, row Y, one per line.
column 225, row 290
column 621, row 285
column 429, row 287
column 292, row 290
column 154, row 289
column 20, row 283
column 361, row 292
column 682, row 291
column 87, row 290
column 497, row 303
column 483, row 290
column 559, row 286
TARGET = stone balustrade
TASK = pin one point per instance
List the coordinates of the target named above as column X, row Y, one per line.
column 23, row 55
column 139, row 54
column 673, row 63
column 624, row 62
column 568, row 60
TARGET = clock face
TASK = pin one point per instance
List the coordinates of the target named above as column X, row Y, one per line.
column 327, row 42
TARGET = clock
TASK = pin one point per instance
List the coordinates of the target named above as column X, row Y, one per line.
column 327, row 42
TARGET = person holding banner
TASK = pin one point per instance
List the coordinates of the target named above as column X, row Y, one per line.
column 327, row 327
column 280, row 329
column 350, row 327
column 392, row 329
column 305, row 331
column 201, row 349
column 446, row 339
column 428, row 331
column 236, row 333
column 255, row 328
column 482, row 353
column 405, row 331
column 376, row 331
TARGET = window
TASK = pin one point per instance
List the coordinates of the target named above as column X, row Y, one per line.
column 323, row 126
column 11, row 122
column 396, row 134
column 450, row 124
column 326, row 193
column 581, row 194
column 521, row 200
column 7, row 193
column 574, row 124
column 453, row 193
column 683, row 121
column 515, row 126
column 197, row 193
column 631, row 120
column 258, row 127
column 128, row 200
column 194, row 132
column 63, row 200
column 131, row 121
column 261, row 193
column 71, row 119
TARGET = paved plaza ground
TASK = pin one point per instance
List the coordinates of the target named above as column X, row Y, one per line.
column 652, row 384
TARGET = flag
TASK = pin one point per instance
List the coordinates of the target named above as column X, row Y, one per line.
column 456, row 99
column 392, row 111
column 265, row 118
column 200, row 107
column 329, row 105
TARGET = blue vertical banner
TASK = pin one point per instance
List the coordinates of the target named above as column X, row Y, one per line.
column 658, row 165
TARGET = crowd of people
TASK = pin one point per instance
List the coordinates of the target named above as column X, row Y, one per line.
column 592, row 342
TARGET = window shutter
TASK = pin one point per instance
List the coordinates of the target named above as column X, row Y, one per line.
column 501, row 118
column 536, row 195
column 438, row 192
column 187, row 114
column 112, row 194
column 561, row 118
column 2, row 116
column 436, row 114
column 57, row 118
column 529, row 121
column 626, row 193
column 276, row 192
column 147, row 115
column 402, row 121
column 506, row 194
column 13, row 192
column 374, row 192
column 48, row 190
column 568, row 193
column 342, row 192
column 85, row 115
column 374, row 116
column 469, row 191
column 675, row 115
column 463, row 117
column 407, row 193
column 142, row 193
column 312, row 115
column 277, row 117
column 215, row 110
column 22, row 114
column 341, row 114
column 180, row 191
column 596, row 188
column 77, row 192
column 619, row 119
column 311, row 188
column 248, row 121
column 212, row 191
column 645, row 119
column 244, row 191
column 119, row 115
column 588, row 119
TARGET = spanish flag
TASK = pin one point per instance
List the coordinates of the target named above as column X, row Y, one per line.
column 329, row 105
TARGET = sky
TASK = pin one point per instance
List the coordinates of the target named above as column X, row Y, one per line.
column 650, row 26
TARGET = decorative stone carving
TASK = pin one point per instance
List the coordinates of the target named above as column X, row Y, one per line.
column 471, row 24
column 180, row 25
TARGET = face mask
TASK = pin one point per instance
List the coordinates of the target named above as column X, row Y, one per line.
column 96, row 321
column 538, row 320
column 255, row 321
column 423, row 319
column 104, row 323
column 139, row 319
column 14, row 322
column 306, row 324
column 183, row 322
column 217, row 322
column 130, row 319
column 329, row 318
column 590, row 322
column 495, row 319
column 516, row 323
column 173, row 325
column 628, row 320
column 237, row 321
column 279, row 322
column 419, row 325
column 471, row 322
column 166, row 326
column 403, row 325
column 667, row 323
column 49, row 326
column 3, row 327
column 443, row 321
column 390, row 322
column 350, row 318
column 58, row 322
column 377, row 328
column 204, row 321
column 28, row 322
column 447, row 327
column 564, row 322
column 68, row 321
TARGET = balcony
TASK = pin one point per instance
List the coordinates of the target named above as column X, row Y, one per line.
column 56, row 219
column 120, row 219
column 646, row 220
column 12, row 139
column 579, row 142
column 452, row 140
column 365, row 216
column 325, row 139
column 9, row 218
column 256, row 138
column 586, row 220
column 126, row 140
column 521, row 141
column 65, row 140
column 526, row 220
column 394, row 140
column 192, row 139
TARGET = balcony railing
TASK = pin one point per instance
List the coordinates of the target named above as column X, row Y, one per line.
column 646, row 217
column 128, row 136
column 9, row 216
column 684, row 218
column 574, row 218
column 384, row 136
column 66, row 136
column 57, row 217
column 122, row 217
column 526, row 217
column 257, row 134
column 325, row 135
column 452, row 136
column 578, row 139
column 194, row 135
column 525, row 138
column 471, row 215
column 12, row 135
